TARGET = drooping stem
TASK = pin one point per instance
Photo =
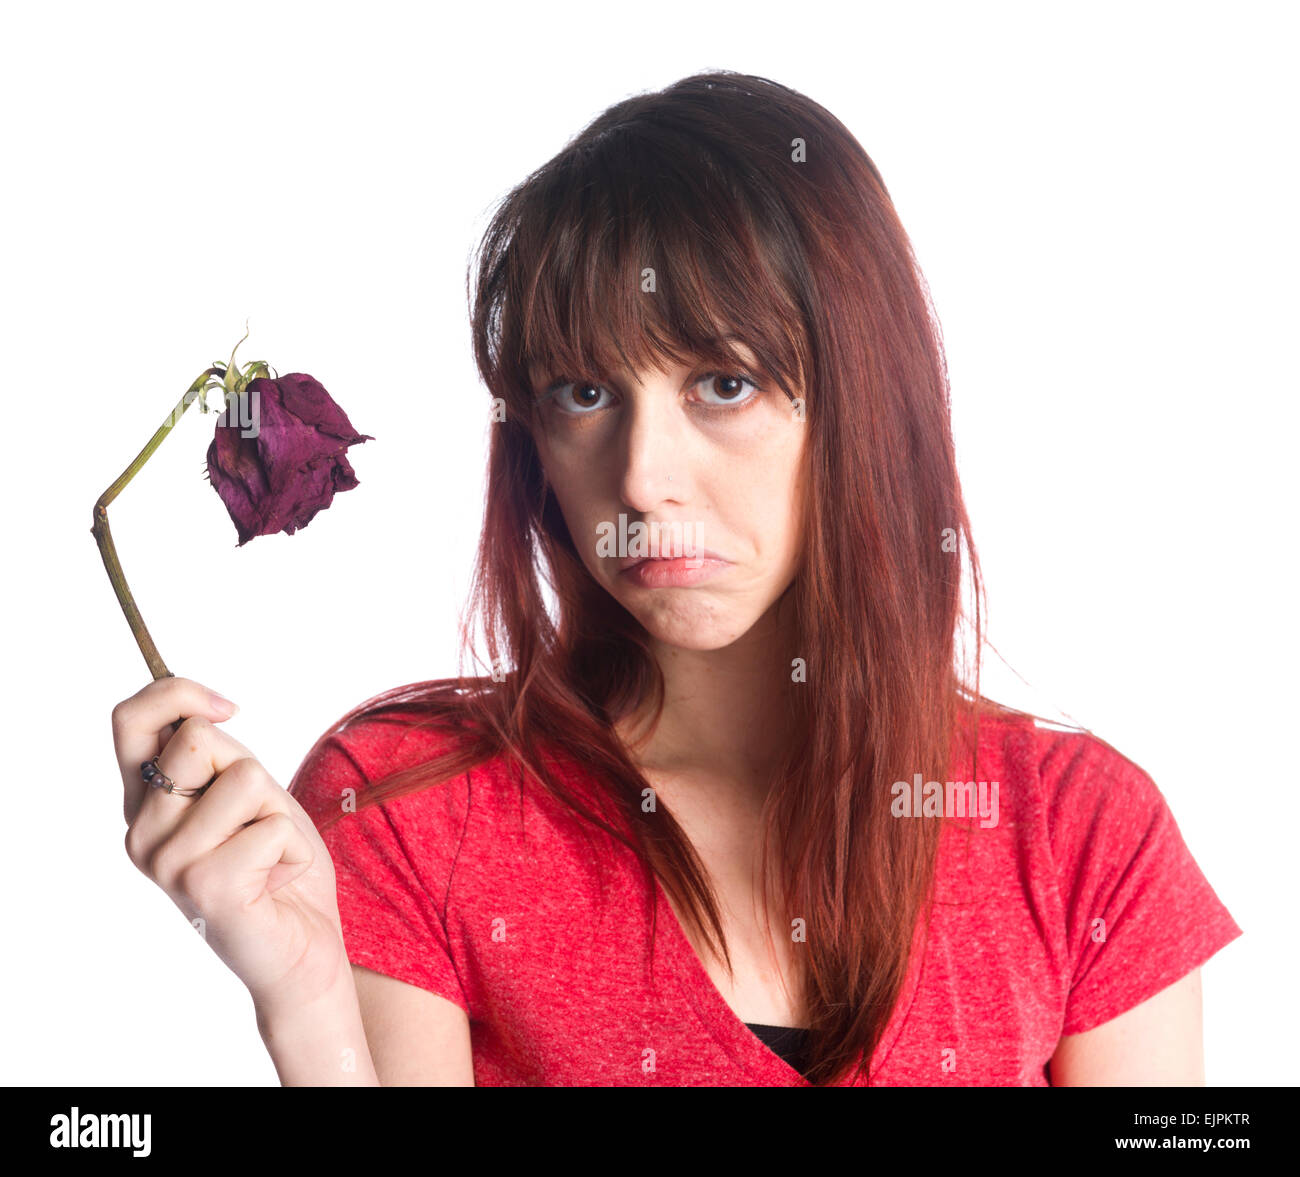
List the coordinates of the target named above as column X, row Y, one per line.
column 103, row 537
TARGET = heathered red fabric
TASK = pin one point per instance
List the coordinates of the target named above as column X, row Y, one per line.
column 486, row 892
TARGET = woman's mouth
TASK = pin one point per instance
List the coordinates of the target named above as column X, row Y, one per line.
column 672, row 571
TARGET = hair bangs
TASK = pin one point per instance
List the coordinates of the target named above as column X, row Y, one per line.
column 613, row 280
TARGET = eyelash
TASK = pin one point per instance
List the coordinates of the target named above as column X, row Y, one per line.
column 557, row 385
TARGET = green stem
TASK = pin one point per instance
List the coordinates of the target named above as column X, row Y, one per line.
column 104, row 538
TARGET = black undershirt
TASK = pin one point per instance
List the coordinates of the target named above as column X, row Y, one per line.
column 787, row 1041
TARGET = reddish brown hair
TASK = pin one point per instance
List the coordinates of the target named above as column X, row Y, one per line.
column 798, row 252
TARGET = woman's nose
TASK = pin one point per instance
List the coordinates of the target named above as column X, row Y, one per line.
column 654, row 459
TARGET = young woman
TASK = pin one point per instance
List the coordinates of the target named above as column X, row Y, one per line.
column 728, row 812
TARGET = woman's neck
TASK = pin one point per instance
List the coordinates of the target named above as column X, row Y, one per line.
column 726, row 714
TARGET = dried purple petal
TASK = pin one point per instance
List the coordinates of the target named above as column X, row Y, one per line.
column 291, row 463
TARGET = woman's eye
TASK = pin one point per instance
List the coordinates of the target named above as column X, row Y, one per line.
column 729, row 387
column 577, row 397
column 580, row 398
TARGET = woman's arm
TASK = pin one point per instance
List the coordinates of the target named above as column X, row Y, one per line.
column 1155, row 1044
column 370, row 1031
column 416, row 1038
column 322, row 1044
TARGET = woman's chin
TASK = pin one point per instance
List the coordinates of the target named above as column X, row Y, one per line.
column 693, row 624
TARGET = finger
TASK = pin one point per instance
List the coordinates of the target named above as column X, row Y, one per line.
column 141, row 727
column 237, row 881
column 244, row 794
column 196, row 754
column 245, row 869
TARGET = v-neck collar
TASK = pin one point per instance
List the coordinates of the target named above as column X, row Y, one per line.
column 745, row 1048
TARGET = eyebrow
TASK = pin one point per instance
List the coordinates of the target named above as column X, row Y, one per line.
column 621, row 374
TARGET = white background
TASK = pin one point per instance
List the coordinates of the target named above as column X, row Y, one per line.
column 1103, row 201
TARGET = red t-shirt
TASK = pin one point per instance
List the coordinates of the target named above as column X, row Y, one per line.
column 485, row 891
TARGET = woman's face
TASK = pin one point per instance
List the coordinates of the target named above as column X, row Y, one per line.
column 710, row 459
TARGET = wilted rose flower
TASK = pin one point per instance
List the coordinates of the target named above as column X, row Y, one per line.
column 280, row 456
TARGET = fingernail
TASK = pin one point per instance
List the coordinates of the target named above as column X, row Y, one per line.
column 222, row 705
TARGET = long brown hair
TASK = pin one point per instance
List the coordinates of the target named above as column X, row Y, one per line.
column 730, row 207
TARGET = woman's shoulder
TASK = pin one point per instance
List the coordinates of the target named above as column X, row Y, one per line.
column 415, row 752
column 407, row 748
column 1087, row 786
column 1060, row 771
column 1093, row 809
column 1054, row 806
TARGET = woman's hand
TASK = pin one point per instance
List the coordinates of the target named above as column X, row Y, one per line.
column 243, row 857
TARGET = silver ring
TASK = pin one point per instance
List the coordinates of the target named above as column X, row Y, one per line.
column 155, row 778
